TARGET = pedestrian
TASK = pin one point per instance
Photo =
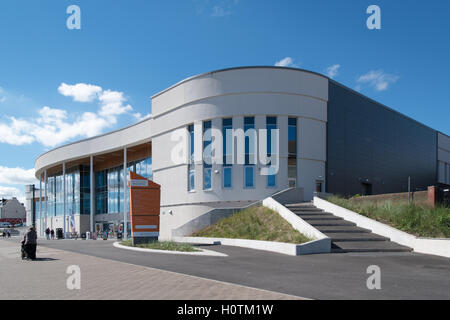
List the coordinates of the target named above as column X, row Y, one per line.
column 4, row 233
column 30, row 243
column 47, row 233
column 8, row 233
column 53, row 234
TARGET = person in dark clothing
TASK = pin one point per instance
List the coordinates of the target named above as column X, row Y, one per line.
column 53, row 234
column 47, row 233
column 30, row 243
column 8, row 233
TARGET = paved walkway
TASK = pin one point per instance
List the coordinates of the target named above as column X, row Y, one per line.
column 107, row 279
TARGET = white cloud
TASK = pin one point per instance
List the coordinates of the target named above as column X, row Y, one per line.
column 17, row 176
column 218, row 11
column 80, row 92
column 53, row 127
column 333, row 70
column 10, row 192
column 139, row 117
column 112, row 105
column 286, row 62
column 377, row 79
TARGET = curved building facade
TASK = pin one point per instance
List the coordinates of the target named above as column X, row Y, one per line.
column 223, row 109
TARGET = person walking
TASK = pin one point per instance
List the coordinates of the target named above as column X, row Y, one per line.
column 53, row 234
column 47, row 233
column 30, row 243
column 8, row 234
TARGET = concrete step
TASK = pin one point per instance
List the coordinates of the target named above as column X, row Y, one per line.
column 307, row 213
column 341, row 229
column 350, row 237
column 328, row 223
column 312, row 217
column 297, row 209
column 367, row 246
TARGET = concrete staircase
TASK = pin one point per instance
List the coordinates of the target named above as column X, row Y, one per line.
column 345, row 236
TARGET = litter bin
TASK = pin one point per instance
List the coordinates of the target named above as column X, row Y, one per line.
column 88, row 235
column 119, row 236
column 59, row 233
column 83, row 236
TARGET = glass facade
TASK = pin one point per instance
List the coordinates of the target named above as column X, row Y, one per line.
column 191, row 166
column 227, row 136
column 77, row 192
column 108, row 189
column 207, row 156
column 109, row 186
column 271, row 124
column 292, row 152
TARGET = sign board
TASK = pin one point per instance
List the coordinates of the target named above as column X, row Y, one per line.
column 145, row 199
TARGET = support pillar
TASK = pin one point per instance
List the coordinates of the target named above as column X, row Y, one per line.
column 125, row 194
column 92, row 195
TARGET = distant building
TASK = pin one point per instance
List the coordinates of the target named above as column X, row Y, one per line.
column 12, row 211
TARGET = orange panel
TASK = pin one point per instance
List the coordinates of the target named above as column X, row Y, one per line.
column 145, row 200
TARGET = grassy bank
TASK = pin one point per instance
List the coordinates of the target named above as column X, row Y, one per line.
column 421, row 221
column 256, row 223
column 163, row 245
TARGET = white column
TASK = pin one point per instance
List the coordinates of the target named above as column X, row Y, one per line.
column 46, row 198
column 64, row 197
column 40, row 207
column 92, row 194
column 282, row 176
column 125, row 191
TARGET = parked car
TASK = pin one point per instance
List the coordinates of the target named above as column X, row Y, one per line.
column 5, row 225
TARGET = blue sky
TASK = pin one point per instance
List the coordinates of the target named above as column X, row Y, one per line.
column 127, row 51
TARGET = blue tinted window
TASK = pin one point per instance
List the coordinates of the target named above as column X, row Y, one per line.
column 191, row 141
column 191, row 180
column 227, row 177
column 207, row 175
column 271, row 181
column 249, row 177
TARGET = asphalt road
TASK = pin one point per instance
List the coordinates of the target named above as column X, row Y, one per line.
column 324, row 276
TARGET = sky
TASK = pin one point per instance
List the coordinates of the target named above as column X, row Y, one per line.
column 59, row 85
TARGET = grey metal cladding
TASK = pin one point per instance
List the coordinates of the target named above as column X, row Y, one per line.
column 368, row 142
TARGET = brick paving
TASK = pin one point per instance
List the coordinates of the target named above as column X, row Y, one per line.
column 107, row 279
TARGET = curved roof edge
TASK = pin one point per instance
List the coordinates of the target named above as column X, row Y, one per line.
column 231, row 69
column 92, row 138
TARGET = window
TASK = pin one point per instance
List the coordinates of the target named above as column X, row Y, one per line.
column 207, row 176
column 271, row 124
column 227, row 134
column 191, row 165
column 292, row 152
column 227, row 177
column 249, row 176
column 207, row 156
column 250, row 140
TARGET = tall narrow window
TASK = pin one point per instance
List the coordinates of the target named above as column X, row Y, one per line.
column 227, row 134
column 249, row 169
column 271, row 124
column 292, row 152
column 207, row 156
column 191, row 165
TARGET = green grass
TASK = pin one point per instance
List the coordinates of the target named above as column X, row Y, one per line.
column 421, row 221
column 163, row 245
column 256, row 223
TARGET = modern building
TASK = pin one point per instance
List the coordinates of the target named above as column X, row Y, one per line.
column 12, row 211
column 331, row 139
